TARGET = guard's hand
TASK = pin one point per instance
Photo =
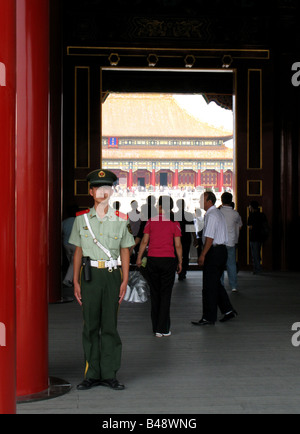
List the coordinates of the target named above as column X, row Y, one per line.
column 123, row 289
column 77, row 293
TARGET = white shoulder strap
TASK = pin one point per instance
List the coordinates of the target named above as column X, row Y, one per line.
column 105, row 250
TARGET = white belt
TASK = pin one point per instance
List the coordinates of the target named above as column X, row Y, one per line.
column 113, row 263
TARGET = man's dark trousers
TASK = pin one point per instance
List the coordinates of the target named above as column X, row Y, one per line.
column 100, row 302
column 214, row 293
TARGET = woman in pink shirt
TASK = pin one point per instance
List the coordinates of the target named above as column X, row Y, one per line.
column 162, row 234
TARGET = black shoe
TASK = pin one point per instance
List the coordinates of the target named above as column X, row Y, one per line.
column 88, row 384
column 113, row 384
column 202, row 322
column 229, row 316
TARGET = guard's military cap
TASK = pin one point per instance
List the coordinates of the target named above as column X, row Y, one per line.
column 101, row 177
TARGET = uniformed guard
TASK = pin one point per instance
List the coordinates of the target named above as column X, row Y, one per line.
column 101, row 235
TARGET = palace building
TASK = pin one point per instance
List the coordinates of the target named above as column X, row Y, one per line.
column 150, row 140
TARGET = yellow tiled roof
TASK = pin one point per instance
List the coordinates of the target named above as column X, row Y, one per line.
column 201, row 153
column 152, row 115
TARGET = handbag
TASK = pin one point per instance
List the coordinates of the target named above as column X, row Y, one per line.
column 137, row 288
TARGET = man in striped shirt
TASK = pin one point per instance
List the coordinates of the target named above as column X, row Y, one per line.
column 213, row 259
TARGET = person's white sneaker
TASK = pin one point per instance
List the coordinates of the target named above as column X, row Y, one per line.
column 160, row 335
column 234, row 290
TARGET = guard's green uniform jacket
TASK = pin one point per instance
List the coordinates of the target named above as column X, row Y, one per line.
column 100, row 296
column 113, row 232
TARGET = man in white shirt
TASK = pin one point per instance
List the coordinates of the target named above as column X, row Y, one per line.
column 234, row 224
column 213, row 259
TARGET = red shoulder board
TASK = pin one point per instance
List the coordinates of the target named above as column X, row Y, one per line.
column 86, row 211
column 121, row 215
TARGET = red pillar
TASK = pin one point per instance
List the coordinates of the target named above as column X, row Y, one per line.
column 7, row 207
column 221, row 179
column 55, row 193
column 129, row 183
column 176, row 178
column 32, row 195
column 153, row 178
column 198, row 178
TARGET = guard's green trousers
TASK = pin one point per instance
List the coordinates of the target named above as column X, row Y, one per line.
column 101, row 341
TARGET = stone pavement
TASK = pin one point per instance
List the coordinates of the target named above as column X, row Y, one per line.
column 248, row 365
